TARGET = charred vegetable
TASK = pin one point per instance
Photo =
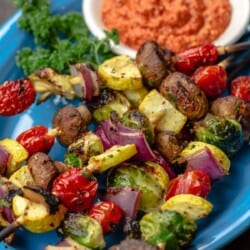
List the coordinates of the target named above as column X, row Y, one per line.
column 67, row 243
column 136, row 119
column 195, row 182
column 133, row 244
column 150, row 178
column 18, row 154
column 112, row 132
column 36, row 216
column 204, row 160
column 7, row 191
column 36, row 139
column 75, row 189
column 108, row 214
column 136, row 96
column 167, row 229
column 22, row 177
column 232, row 107
column 49, row 82
column 189, row 205
column 162, row 113
column 195, row 147
column 120, row 73
column 127, row 198
column 108, row 101
column 87, row 83
column 84, row 230
column 223, row 133
column 5, row 157
column 79, row 152
column 111, row 158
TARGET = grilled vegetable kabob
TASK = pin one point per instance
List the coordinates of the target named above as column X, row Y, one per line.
column 94, row 165
column 84, row 82
column 41, row 171
column 18, row 95
column 179, row 200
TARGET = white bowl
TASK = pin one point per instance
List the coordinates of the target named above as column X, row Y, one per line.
column 236, row 28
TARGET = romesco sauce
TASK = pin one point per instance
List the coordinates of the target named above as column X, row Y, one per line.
column 174, row 24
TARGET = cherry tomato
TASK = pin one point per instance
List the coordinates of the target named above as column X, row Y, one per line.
column 16, row 96
column 76, row 191
column 211, row 79
column 107, row 213
column 189, row 60
column 194, row 182
column 36, row 139
column 240, row 87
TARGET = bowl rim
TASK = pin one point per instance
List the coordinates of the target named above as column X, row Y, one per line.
column 236, row 28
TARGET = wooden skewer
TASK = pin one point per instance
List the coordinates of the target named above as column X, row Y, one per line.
column 223, row 50
column 11, row 228
column 239, row 66
column 227, row 62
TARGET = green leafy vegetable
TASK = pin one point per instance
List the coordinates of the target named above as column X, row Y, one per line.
column 61, row 39
column 137, row 120
column 143, row 177
column 167, row 229
column 224, row 133
column 80, row 151
column 84, row 230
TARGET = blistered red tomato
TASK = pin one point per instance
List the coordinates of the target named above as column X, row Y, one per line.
column 75, row 190
column 194, row 182
column 189, row 60
column 107, row 213
column 36, row 139
column 211, row 79
column 240, row 87
column 16, row 96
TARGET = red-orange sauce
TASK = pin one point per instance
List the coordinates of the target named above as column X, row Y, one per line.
column 174, row 24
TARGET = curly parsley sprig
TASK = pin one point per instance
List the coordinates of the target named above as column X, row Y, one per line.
column 60, row 39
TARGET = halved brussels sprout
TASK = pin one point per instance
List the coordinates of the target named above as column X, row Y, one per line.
column 167, row 229
column 84, row 230
column 136, row 119
column 148, row 178
column 224, row 133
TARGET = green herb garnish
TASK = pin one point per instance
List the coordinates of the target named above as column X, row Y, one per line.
column 60, row 39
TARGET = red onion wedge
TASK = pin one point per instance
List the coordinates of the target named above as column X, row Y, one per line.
column 113, row 132
column 88, row 84
column 205, row 161
column 127, row 198
column 67, row 244
column 4, row 160
column 161, row 161
column 8, row 214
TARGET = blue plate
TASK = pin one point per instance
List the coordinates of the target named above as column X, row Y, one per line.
column 230, row 195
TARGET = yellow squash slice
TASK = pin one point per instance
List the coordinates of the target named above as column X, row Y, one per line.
column 161, row 113
column 192, row 206
column 196, row 146
column 22, row 177
column 18, row 154
column 120, row 73
column 36, row 217
column 111, row 157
